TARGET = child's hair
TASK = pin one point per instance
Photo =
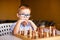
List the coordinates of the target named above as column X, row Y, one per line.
column 23, row 6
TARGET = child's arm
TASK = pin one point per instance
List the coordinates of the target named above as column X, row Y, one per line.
column 17, row 27
column 33, row 25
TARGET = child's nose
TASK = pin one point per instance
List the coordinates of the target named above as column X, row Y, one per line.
column 25, row 17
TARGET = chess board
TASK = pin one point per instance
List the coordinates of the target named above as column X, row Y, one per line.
column 22, row 37
column 26, row 38
column 36, row 34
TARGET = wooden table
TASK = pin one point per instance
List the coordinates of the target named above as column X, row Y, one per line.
column 49, row 38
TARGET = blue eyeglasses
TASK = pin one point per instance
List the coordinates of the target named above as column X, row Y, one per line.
column 25, row 15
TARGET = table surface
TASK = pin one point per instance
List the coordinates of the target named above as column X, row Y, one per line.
column 49, row 38
column 9, row 37
column 20, row 37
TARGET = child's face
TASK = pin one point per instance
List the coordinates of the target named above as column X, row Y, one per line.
column 24, row 14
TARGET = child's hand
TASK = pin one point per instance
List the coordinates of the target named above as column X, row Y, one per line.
column 32, row 24
column 29, row 21
column 23, row 21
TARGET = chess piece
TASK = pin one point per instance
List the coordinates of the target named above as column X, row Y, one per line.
column 42, row 32
column 25, row 32
column 36, row 34
column 33, row 34
column 54, row 32
column 50, row 32
column 22, row 32
column 30, row 32
column 47, row 34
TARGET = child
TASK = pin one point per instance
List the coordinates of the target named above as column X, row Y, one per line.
column 23, row 20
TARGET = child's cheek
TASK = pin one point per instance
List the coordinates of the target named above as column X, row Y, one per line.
column 20, row 17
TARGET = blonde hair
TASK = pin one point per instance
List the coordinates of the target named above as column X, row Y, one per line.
column 24, row 6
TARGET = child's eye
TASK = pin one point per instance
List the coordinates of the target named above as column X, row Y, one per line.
column 21, row 15
column 18, row 14
column 27, row 15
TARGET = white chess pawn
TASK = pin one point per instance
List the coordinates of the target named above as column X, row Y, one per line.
column 20, row 32
column 25, row 32
column 54, row 32
column 36, row 34
column 30, row 32
column 42, row 32
column 47, row 34
column 50, row 30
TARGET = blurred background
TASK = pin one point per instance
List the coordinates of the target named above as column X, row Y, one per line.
column 41, row 10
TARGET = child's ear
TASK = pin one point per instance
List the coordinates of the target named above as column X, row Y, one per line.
column 17, row 15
